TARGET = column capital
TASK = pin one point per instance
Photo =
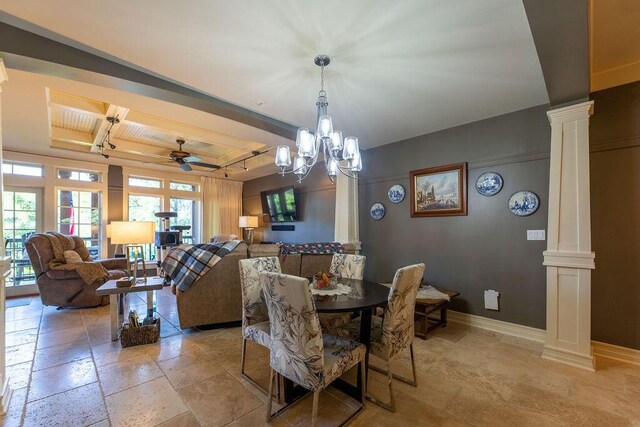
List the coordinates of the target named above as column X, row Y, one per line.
column 570, row 113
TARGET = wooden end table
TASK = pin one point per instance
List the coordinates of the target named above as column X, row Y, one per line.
column 116, row 299
column 426, row 306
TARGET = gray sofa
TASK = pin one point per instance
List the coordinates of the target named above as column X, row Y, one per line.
column 216, row 298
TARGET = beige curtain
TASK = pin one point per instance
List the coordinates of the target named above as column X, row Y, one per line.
column 221, row 207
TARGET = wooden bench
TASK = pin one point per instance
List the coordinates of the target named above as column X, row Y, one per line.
column 424, row 307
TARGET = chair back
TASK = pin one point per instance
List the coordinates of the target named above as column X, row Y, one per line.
column 348, row 266
column 398, row 325
column 40, row 251
column 296, row 338
column 254, row 309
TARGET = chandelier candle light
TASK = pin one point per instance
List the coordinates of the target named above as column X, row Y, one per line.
column 340, row 156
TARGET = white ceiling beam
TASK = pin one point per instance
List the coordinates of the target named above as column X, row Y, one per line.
column 71, row 136
column 104, row 125
column 65, row 101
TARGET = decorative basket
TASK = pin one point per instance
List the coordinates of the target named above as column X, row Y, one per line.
column 147, row 334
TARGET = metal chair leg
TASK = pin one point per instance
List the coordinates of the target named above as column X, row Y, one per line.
column 390, row 406
column 269, row 416
column 244, row 349
column 413, row 382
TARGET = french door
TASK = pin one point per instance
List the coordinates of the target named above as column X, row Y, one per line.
column 23, row 211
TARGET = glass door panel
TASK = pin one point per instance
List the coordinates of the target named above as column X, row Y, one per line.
column 22, row 217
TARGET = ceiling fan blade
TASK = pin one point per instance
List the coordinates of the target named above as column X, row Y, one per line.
column 186, row 167
column 205, row 165
column 192, row 159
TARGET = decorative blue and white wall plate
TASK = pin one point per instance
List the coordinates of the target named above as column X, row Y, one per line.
column 377, row 211
column 396, row 193
column 489, row 183
column 524, row 203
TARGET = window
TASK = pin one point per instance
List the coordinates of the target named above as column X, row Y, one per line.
column 143, row 208
column 183, row 186
column 77, row 175
column 145, row 182
column 187, row 210
column 11, row 168
column 22, row 217
column 79, row 215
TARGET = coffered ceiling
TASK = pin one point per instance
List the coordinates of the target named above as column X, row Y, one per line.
column 398, row 69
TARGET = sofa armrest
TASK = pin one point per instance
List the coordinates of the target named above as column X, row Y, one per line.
column 114, row 263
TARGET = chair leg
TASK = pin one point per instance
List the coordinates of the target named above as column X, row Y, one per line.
column 314, row 411
column 269, row 416
column 391, row 406
column 244, row 349
column 413, row 382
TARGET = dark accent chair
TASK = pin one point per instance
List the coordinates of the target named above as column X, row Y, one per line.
column 66, row 288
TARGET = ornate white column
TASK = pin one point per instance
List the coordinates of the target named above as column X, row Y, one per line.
column 347, row 222
column 5, row 268
column 568, row 257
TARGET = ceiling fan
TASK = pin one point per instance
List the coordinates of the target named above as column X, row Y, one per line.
column 185, row 160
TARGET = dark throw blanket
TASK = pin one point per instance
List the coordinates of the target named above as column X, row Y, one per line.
column 186, row 264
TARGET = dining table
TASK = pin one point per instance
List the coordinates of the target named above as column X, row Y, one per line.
column 363, row 297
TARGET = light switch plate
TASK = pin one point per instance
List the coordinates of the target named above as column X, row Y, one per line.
column 535, row 234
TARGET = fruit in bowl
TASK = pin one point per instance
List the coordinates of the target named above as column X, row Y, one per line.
column 325, row 281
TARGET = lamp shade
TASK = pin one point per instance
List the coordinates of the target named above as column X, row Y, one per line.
column 248, row 222
column 132, row 232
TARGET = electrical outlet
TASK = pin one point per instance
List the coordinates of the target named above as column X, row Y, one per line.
column 535, row 235
column 491, row 300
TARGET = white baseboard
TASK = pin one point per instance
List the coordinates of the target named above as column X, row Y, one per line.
column 600, row 349
column 527, row 332
column 610, row 351
column 569, row 358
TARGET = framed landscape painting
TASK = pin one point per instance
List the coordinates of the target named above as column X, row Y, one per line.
column 439, row 191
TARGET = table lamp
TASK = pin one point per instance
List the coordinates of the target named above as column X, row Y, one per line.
column 133, row 234
column 248, row 223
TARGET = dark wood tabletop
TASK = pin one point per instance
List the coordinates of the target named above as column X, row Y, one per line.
column 364, row 295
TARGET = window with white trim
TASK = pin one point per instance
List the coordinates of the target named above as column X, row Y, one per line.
column 12, row 168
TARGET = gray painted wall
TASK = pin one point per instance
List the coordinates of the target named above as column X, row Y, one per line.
column 486, row 249
column 615, row 221
column 115, row 198
column 316, row 197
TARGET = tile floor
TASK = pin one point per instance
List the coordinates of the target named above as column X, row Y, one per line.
column 66, row 371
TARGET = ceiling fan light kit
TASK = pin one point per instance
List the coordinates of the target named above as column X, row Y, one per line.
column 340, row 155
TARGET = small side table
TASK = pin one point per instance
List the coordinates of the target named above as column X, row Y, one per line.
column 116, row 299
column 424, row 307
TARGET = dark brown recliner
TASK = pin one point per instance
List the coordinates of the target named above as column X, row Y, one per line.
column 66, row 288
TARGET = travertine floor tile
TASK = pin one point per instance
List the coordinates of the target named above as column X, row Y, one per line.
column 147, row 404
column 13, row 417
column 122, row 375
column 19, row 375
column 219, row 400
column 60, row 354
column 189, row 369
column 51, row 339
column 21, row 337
column 21, row 325
column 61, row 378
column 185, row 420
column 81, row 406
column 20, row 354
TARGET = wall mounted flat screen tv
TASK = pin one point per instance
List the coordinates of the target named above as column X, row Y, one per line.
column 280, row 204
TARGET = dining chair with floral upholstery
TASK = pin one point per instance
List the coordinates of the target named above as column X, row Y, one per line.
column 350, row 267
column 395, row 331
column 299, row 349
column 255, row 316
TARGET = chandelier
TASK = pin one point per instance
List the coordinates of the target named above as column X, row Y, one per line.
column 340, row 156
